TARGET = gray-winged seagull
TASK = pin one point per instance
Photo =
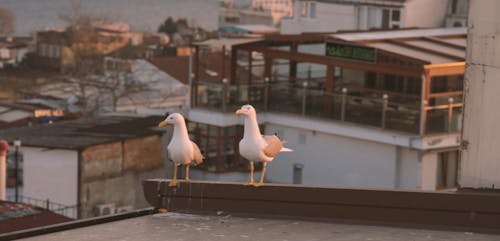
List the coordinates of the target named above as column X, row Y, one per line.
column 181, row 150
column 256, row 147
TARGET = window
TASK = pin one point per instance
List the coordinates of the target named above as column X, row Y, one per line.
column 337, row 72
column 303, row 9
column 371, row 80
column 454, row 6
column 395, row 15
column 385, row 18
column 393, row 83
column 395, row 19
column 312, row 8
column 448, row 83
column 219, row 147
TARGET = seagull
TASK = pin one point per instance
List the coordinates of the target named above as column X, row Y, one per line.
column 256, row 147
column 181, row 150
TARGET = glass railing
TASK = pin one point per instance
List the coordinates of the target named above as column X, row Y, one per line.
column 386, row 111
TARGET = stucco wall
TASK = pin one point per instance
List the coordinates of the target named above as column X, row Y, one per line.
column 480, row 162
column 409, row 169
column 51, row 174
column 429, row 171
column 123, row 190
column 425, row 13
column 341, row 161
column 112, row 173
column 329, row 18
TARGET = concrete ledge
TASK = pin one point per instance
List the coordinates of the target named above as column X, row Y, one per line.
column 465, row 211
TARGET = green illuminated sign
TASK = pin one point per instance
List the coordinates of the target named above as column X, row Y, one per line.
column 352, row 52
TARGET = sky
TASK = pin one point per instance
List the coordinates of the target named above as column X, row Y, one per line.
column 142, row 15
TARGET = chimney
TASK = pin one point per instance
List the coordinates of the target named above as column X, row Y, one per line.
column 4, row 146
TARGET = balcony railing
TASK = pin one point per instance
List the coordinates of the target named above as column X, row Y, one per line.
column 390, row 111
column 65, row 210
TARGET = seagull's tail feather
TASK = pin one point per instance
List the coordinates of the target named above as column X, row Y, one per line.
column 284, row 149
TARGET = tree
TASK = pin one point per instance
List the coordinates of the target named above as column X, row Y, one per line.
column 96, row 85
column 6, row 22
column 169, row 26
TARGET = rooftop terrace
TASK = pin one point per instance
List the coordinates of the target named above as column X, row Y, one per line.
column 186, row 227
column 406, row 80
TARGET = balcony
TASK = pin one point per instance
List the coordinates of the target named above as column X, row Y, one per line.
column 385, row 110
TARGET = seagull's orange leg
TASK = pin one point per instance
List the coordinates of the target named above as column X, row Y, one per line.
column 174, row 179
column 264, row 167
column 251, row 182
column 187, row 179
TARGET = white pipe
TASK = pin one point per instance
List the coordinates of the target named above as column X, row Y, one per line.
column 4, row 146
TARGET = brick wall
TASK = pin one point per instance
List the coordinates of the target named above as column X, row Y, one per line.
column 112, row 173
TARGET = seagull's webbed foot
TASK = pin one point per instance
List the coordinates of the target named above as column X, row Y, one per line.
column 172, row 183
column 187, row 179
column 250, row 183
column 258, row 184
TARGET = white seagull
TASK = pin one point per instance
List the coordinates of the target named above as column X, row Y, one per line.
column 181, row 150
column 256, row 147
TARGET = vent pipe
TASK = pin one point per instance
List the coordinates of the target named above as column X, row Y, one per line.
column 4, row 147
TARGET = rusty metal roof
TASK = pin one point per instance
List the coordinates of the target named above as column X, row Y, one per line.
column 18, row 216
column 85, row 132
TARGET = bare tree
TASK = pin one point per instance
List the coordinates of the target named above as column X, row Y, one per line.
column 100, row 82
column 6, row 22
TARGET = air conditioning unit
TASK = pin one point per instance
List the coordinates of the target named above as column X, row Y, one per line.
column 105, row 209
column 456, row 22
column 124, row 209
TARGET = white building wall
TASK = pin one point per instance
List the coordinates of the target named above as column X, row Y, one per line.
column 39, row 180
column 241, row 177
column 425, row 13
column 329, row 18
column 409, row 169
column 480, row 162
column 342, row 161
column 429, row 168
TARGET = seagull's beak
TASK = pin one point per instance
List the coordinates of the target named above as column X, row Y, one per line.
column 162, row 124
column 239, row 112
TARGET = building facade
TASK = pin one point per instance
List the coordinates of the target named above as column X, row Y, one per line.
column 369, row 109
column 480, row 163
column 91, row 166
column 340, row 15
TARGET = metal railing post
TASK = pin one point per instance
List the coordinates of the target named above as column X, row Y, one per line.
column 304, row 97
column 450, row 113
column 342, row 107
column 423, row 118
column 385, row 97
column 224, row 95
column 17, row 145
column 266, row 93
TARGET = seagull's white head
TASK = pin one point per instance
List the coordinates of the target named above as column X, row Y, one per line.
column 247, row 110
column 172, row 119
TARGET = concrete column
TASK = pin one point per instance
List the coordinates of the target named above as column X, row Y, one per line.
column 4, row 147
column 480, row 162
column 428, row 171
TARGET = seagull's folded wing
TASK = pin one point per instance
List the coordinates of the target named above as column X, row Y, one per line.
column 273, row 147
column 198, row 158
